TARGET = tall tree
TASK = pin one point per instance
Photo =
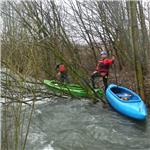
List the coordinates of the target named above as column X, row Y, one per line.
column 136, row 48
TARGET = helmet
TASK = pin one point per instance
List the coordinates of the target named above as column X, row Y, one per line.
column 103, row 53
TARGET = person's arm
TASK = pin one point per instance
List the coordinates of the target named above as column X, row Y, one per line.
column 113, row 58
column 97, row 67
column 110, row 61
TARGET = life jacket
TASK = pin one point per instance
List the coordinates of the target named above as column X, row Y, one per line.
column 62, row 68
column 103, row 66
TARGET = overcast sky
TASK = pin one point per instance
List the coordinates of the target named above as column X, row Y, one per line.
column 59, row 1
column 0, row 20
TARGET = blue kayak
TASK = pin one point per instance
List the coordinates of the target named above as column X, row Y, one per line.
column 126, row 102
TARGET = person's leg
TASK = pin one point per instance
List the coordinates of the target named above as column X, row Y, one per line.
column 94, row 75
column 65, row 77
column 105, row 79
column 62, row 77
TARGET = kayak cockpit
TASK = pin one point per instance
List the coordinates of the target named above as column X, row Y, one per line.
column 125, row 95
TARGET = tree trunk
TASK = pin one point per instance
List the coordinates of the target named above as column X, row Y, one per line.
column 145, row 39
column 135, row 47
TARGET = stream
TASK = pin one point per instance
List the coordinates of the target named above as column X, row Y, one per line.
column 80, row 125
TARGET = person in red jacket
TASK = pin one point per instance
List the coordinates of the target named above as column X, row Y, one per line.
column 102, row 68
column 61, row 72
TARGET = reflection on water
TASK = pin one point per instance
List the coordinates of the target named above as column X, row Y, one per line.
column 80, row 125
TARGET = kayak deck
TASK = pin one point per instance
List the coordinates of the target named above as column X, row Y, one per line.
column 71, row 89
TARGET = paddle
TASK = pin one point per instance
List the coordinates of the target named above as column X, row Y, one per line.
column 116, row 80
column 115, row 70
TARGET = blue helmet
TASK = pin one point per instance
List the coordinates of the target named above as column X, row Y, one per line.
column 103, row 53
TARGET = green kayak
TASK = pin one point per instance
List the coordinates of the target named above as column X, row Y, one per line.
column 71, row 89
